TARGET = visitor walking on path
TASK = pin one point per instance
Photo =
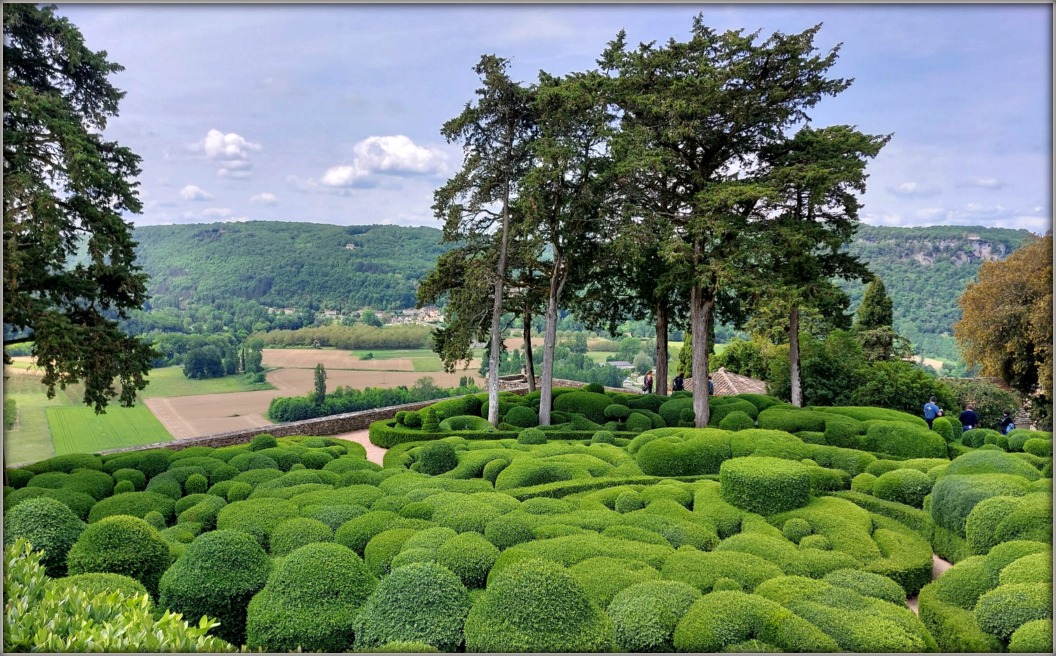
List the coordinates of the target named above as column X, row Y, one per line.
column 969, row 419
column 678, row 384
column 931, row 411
column 647, row 386
column 1007, row 425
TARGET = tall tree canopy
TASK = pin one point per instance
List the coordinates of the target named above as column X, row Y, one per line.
column 1007, row 324
column 66, row 188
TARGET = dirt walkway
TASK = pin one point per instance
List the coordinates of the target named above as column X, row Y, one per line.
column 938, row 566
column 374, row 453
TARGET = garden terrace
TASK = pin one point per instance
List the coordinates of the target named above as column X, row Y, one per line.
column 774, row 528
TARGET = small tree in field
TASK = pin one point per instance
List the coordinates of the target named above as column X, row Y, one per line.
column 319, row 396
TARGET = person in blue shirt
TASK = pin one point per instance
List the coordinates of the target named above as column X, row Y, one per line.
column 931, row 411
column 969, row 419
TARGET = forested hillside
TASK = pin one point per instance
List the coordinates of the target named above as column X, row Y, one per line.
column 301, row 265
column 285, row 264
column 925, row 270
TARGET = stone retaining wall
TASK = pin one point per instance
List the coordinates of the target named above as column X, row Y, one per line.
column 332, row 425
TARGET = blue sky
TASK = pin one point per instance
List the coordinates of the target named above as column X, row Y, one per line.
column 332, row 113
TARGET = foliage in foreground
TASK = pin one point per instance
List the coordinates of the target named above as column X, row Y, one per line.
column 43, row 615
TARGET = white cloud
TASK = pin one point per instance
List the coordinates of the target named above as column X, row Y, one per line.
column 217, row 211
column 231, row 150
column 395, row 155
column 913, row 190
column 342, row 176
column 265, row 199
column 986, row 183
column 194, row 192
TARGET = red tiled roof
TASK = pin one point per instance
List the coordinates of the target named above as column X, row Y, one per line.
column 727, row 383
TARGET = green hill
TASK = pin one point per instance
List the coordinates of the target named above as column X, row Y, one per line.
column 285, row 264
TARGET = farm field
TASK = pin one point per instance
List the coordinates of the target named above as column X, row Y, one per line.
column 76, row 429
column 30, row 439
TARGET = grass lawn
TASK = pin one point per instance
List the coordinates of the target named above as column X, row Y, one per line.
column 170, row 381
column 77, row 429
column 424, row 360
column 30, row 439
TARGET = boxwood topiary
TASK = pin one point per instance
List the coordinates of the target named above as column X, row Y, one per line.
column 435, row 458
column 196, row 484
column 1007, row 607
column 310, row 602
column 121, row 545
column 603, row 437
column 508, row 530
column 795, row 529
column 868, row 584
column 1038, row 447
column 49, row 525
column 1034, row 568
column 292, row 534
column 136, row 504
column 954, row 497
column 1032, row 637
column 765, row 485
column 589, row 404
column 383, row 547
column 819, row 542
column 943, row 427
column 905, row 440
column 791, row 420
column 257, row 517
column 419, row 602
column 470, row 556
column 736, row 420
column 644, row 615
column 67, row 463
column 537, row 606
column 79, row 502
column 603, row 577
column 531, row 436
column 701, row 569
column 521, row 416
column 315, row 459
column 217, row 576
column 863, row 483
column 908, row 486
column 333, row 515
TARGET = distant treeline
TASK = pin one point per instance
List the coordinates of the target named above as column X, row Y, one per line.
column 359, row 336
column 347, row 399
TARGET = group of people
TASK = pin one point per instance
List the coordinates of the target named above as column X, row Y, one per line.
column 969, row 419
column 677, row 385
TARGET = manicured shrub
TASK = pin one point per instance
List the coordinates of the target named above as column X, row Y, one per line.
column 819, row 542
column 1018, row 437
column 898, row 438
column 736, row 420
column 521, row 416
column 603, row 437
column 1032, row 637
column 79, row 502
column 764, row 485
column 257, row 517
column 67, row 463
column 795, row 529
column 617, row 412
column 943, row 427
column 723, row 620
column 248, row 461
column 863, row 483
column 992, row 462
column 262, row 441
column 132, row 476
column 907, row 486
column 1006, row 553
column 702, row 569
column 105, row 583
column 383, row 547
column 419, row 602
column 123, row 487
column 292, row 534
column 315, row 459
column 531, row 436
column 791, row 420
column 356, row 533
column 589, row 404
column 435, row 458
column 333, row 515
column 493, row 469
column 852, row 461
column 508, row 530
column 49, row 525
column 238, row 491
column 136, row 504
column 700, row 452
column 954, row 497
column 602, row 577
column 1007, row 607
column 310, row 602
column 473, row 512
column 843, row 432
column 204, row 512
column 1038, row 447
column 637, row 422
column 470, row 556
column 166, row 484
column 155, row 519
column 644, row 615
column 979, row 436
column 217, row 576
column 412, row 419
column 196, row 484
column 868, row 584
column 671, row 410
column 1034, row 568
column 537, row 606
column 121, row 545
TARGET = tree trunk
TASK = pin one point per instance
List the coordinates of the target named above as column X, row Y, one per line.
column 793, row 355
column 496, row 314
column 701, row 308
column 529, row 366
column 661, row 349
column 557, row 281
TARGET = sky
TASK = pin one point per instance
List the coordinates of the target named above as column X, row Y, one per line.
column 332, row 113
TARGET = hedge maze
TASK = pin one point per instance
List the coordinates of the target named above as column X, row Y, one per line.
column 619, row 528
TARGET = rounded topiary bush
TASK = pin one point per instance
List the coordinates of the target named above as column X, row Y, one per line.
column 238, row 491
column 765, row 485
column 531, row 436
column 493, row 469
column 1038, row 447
column 310, row 602
column 815, row 542
column 294, row 533
column 217, row 576
column 863, row 483
column 644, row 615
column 943, row 427
column 262, row 441
column 603, row 437
column 617, row 411
column 121, row 545
column 99, row 582
column 522, row 416
column 79, row 502
column 908, row 486
column 629, row 501
column 795, row 529
column 435, row 458
column 419, row 602
column 1035, row 568
column 602, row 577
column 537, row 606
column 155, row 519
column 257, row 517
column 315, row 459
column 736, row 420
column 1007, row 607
column 124, row 486
column 383, row 547
column 868, row 584
column 954, row 497
column 508, row 530
column 589, row 404
column 1033, row 637
column 470, row 556
column 49, row 525
column 356, row 533
column 196, row 484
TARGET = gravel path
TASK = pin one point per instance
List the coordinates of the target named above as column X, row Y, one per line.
column 374, row 453
column 938, row 566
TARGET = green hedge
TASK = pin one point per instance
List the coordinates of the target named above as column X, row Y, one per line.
column 49, row 525
column 765, row 485
column 121, row 545
column 310, row 602
column 992, row 462
column 1007, row 607
column 791, row 420
column 257, row 517
column 645, row 615
column 470, row 556
column 906, row 486
column 904, row 440
column 702, row 569
column 954, row 497
column 1032, row 637
column 296, row 532
column 537, row 606
column 217, row 576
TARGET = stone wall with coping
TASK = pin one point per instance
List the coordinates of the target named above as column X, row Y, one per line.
column 332, row 425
